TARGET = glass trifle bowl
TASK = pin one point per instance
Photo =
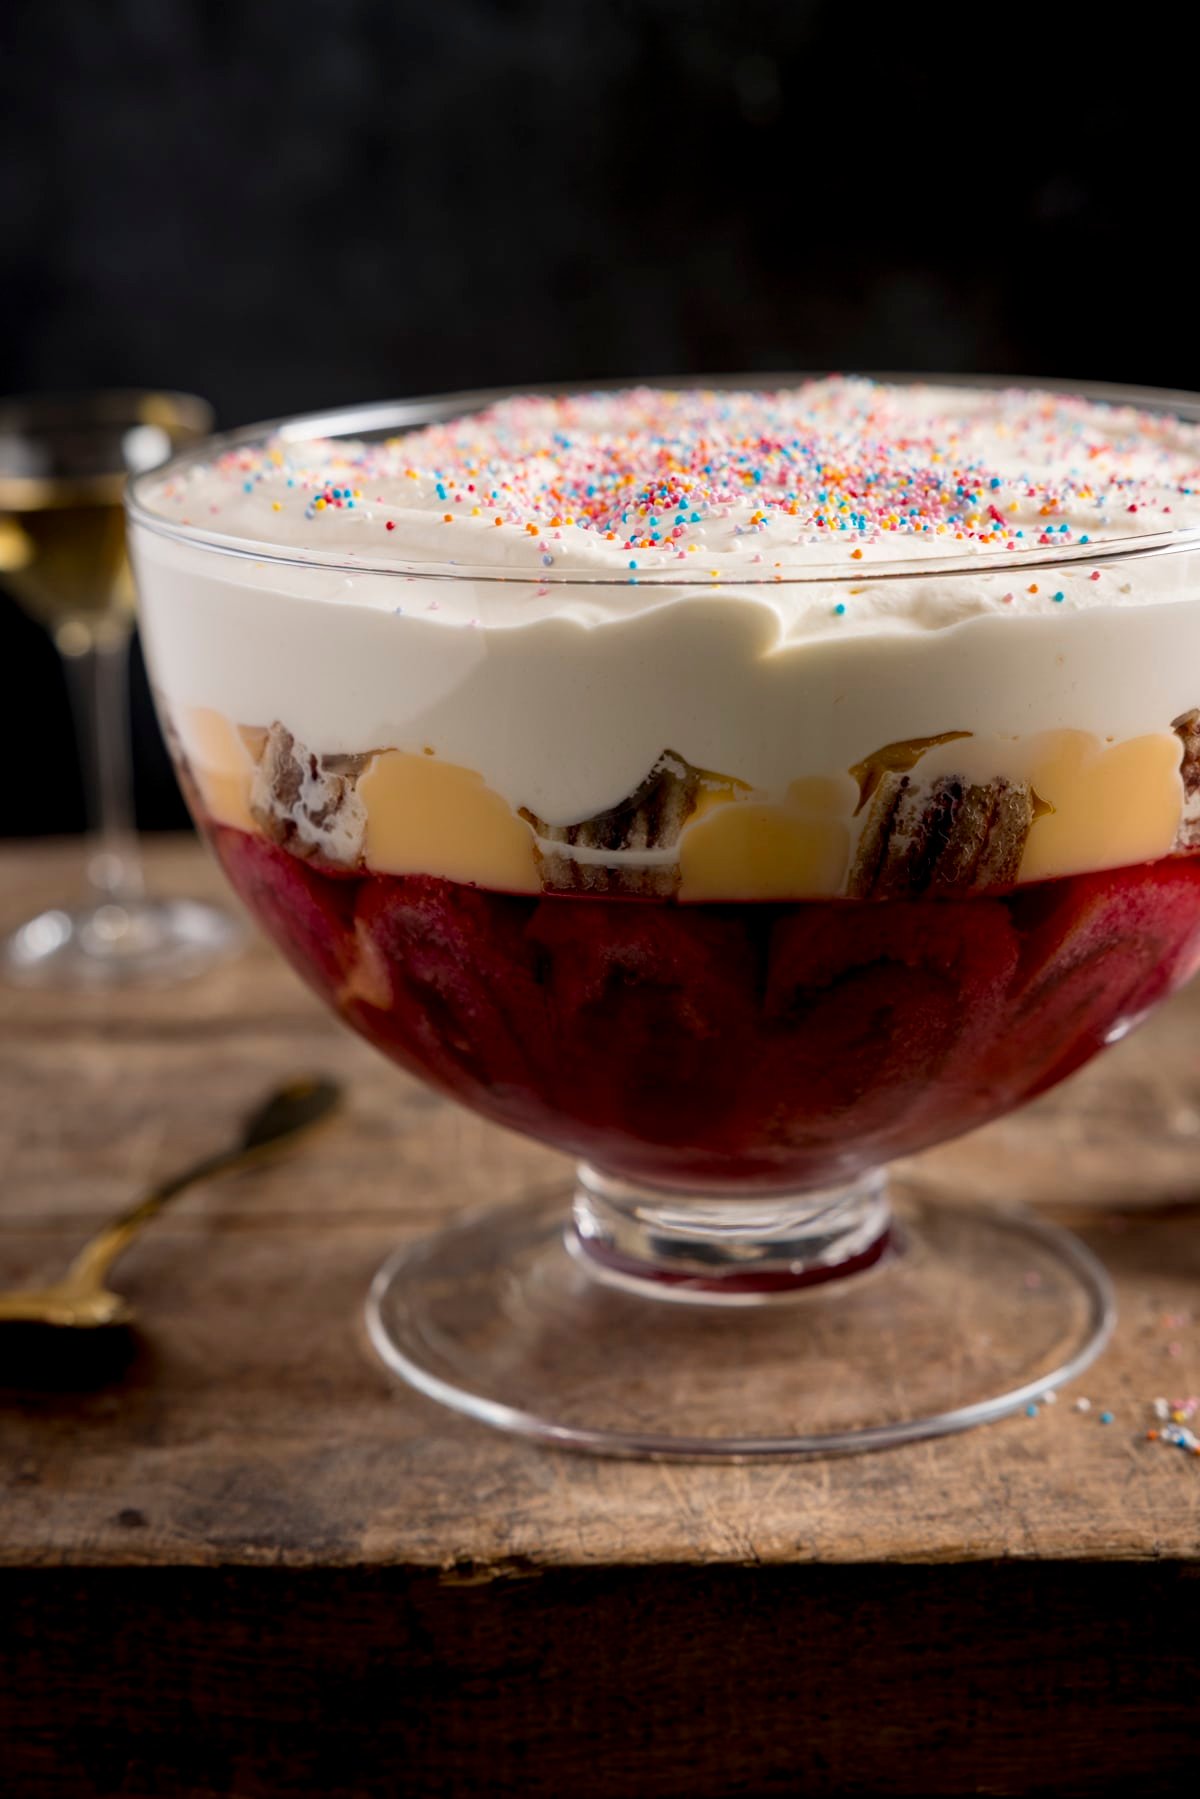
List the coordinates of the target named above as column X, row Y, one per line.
column 734, row 788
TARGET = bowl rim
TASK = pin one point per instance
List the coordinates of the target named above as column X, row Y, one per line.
column 397, row 416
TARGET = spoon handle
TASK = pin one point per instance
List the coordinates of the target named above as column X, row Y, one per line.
column 90, row 1267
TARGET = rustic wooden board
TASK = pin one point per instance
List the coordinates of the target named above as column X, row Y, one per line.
column 254, row 1431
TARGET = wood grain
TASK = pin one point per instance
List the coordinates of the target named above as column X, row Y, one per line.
column 287, row 1545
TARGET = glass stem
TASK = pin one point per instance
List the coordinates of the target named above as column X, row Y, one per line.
column 746, row 1251
column 96, row 660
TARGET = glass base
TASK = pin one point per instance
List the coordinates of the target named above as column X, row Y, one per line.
column 948, row 1317
column 134, row 943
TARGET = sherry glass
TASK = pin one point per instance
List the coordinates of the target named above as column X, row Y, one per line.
column 63, row 467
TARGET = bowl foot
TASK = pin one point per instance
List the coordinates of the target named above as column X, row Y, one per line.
column 966, row 1315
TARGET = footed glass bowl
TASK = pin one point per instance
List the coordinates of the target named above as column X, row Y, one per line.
column 732, row 1001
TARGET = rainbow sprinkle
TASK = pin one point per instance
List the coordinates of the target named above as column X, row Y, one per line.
column 847, row 464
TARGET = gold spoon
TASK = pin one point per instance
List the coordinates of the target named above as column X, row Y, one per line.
column 81, row 1299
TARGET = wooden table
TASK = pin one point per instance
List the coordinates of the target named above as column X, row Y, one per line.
column 255, row 1565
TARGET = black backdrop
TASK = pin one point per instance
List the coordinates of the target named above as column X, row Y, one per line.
column 290, row 203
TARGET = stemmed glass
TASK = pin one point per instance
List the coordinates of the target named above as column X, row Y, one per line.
column 730, row 1274
column 64, row 462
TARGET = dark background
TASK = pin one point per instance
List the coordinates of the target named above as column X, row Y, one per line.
column 283, row 206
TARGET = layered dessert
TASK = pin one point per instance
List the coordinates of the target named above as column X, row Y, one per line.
column 735, row 789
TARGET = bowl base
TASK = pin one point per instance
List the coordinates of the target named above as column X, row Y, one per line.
column 970, row 1315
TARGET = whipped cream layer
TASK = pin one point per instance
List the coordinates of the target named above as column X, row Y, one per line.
column 695, row 576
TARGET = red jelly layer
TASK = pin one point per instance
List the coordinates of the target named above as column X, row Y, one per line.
column 745, row 1046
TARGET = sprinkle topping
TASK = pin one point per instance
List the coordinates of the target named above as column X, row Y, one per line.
column 832, row 470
